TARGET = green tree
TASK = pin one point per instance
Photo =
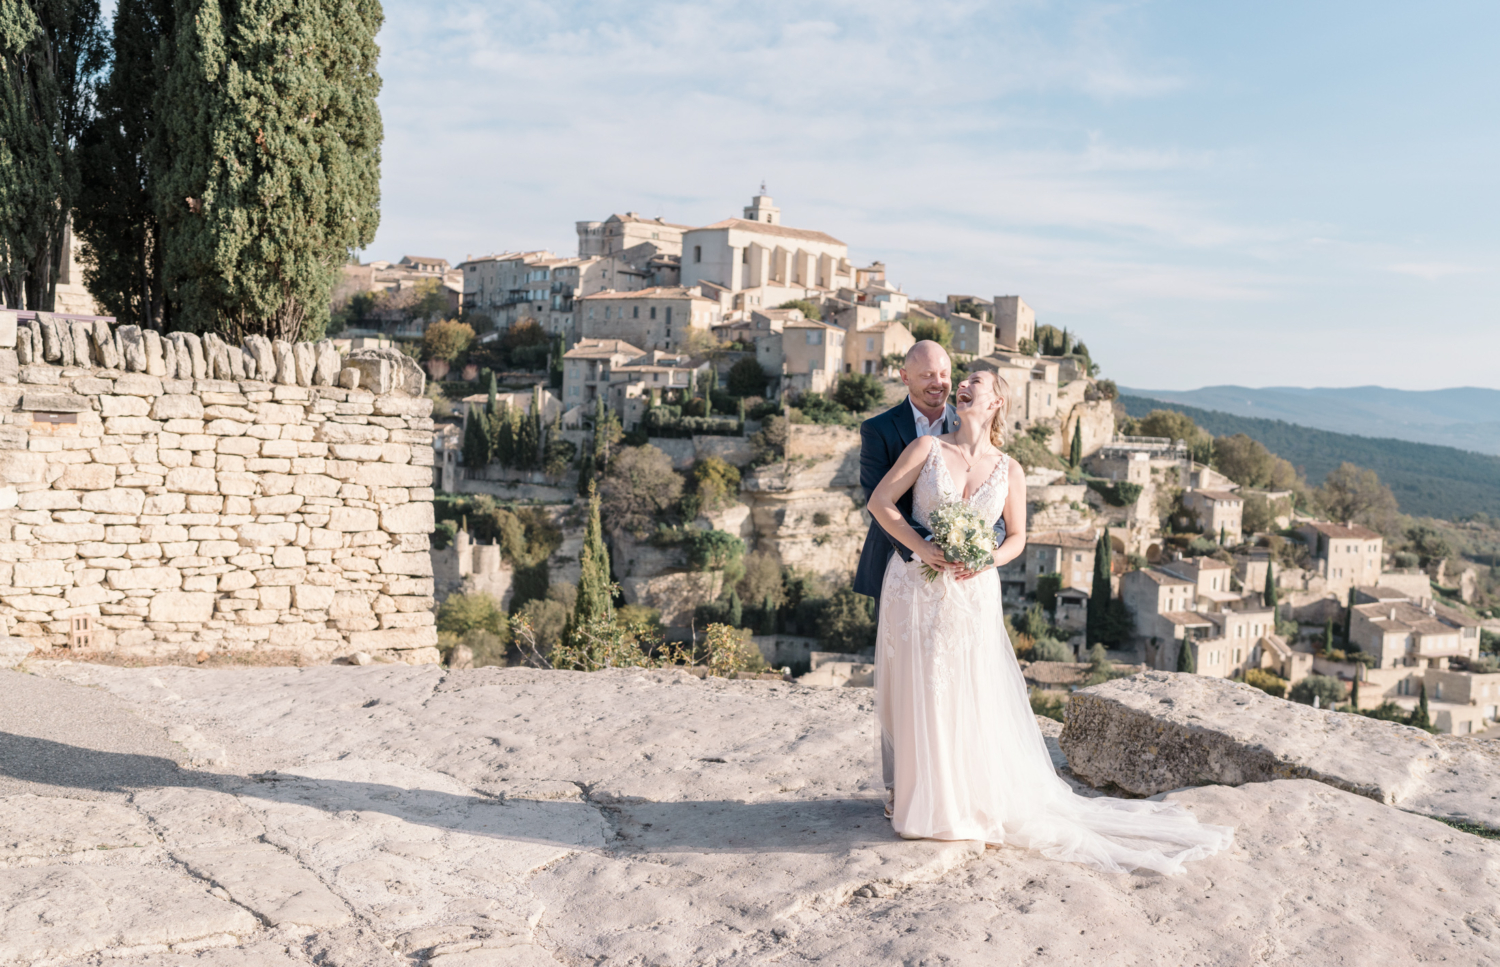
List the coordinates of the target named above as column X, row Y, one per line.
column 559, row 450
column 1245, row 461
column 639, row 484
column 462, row 613
column 50, row 54
column 1187, row 659
column 1177, row 426
column 859, row 392
column 1047, row 586
column 747, row 378
column 1075, row 452
column 115, row 217
column 846, row 622
column 1354, row 495
column 476, row 447
column 809, row 309
column 502, row 431
column 716, row 484
column 1100, row 593
column 1048, row 648
column 736, row 610
column 494, row 395
column 1422, row 717
column 447, row 340
column 1269, row 594
column 1327, row 690
column 936, row 330
column 272, row 132
column 593, row 599
column 555, row 361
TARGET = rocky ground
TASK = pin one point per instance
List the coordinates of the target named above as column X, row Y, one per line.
column 406, row 815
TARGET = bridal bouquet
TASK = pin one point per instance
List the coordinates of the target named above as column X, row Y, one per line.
column 962, row 535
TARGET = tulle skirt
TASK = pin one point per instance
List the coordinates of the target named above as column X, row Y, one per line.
column 970, row 761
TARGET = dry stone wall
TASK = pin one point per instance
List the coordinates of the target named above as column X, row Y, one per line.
column 188, row 494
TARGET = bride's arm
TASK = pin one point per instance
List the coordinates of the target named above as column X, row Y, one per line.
column 1015, row 516
column 897, row 481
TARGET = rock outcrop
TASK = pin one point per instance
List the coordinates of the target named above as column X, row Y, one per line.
column 385, row 815
column 1159, row 731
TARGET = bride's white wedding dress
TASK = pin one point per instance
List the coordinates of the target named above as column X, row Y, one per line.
column 970, row 762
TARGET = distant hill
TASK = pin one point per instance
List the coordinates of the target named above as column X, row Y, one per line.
column 1428, row 481
column 1465, row 417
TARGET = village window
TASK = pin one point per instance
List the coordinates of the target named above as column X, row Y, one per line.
column 815, row 338
column 635, row 312
column 669, row 319
column 870, row 345
column 697, row 253
column 653, row 312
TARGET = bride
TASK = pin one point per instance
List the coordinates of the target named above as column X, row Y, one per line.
column 970, row 762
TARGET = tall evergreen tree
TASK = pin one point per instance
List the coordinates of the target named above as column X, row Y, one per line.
column 1354, row 691
column 1327, row 636
column 272, row 132
column 476, row 448
column 1348, row 615
column 1075, row 453
column 1223, row 536
column 593, row 581
column 1186, row 660
column 1097, row 620
column 502, row 430
column 493, row 401
column 1270, row 593
column 1421, row 718
column 736, row 610
column 767, row 616
column 51, row 52
column 115, row 217
column 555, row 362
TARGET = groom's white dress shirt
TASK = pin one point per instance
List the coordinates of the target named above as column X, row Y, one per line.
column 926, row 427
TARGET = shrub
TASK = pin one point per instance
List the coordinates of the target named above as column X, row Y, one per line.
column 1048, row 648
column 485, row 647
column 1266, row 682
column 810, row 309
column 442, row 535
column 1046, row 704
column 769, row 443
column 713, row 550
column 447, row 340
column 858, row 392
column 846, row 622
column 1329, row 691
column 936, row 330
column 1030, row 454
column 462, row 613
column 547, row 618
column 1034, row 622
column 716, row 483
column 762, row 582
column 818, row 408
column 1047, row 586
column 1121, row 493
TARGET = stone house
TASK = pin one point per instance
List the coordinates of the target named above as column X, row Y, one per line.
column 1072, row 609
column 1161, row 603
column 653, row 379
column 809, row 354
column 1071, row 555
column 656, row 318
column 972, row 337
column 638, row 241
column 587, row 367
column 763, row 262
column 1218, row 513
column 1035, row 394
column 515, row 285
column 1212, row 581
column 1408, row 634
column 1345, row 555
column 1014, row 320
column 865, row 349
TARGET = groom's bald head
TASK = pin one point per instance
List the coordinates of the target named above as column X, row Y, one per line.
column 928, row 376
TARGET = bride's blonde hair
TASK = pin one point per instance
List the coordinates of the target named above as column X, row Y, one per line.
column 997, row 422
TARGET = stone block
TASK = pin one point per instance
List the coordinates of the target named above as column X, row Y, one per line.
column 275, row 599
column 266, row 535
column 278, row 505
column 86, row 476
column 48, row 500
column 375, row 374
column 155, row 363
column 394, row 639
column 162, row 504
column 380, row 475
column 326, row 372
column 197, row 355
column 83, row 350
column 169, row 357
column 349, row 378
column 306, row 359
column 347, row 519
column 123, row 406
column 141, row 578
column 182, row 607
column 412, row 518
column 22, row 466
column 415, row 563
column 55, row 402
column 41, row 574
column 116, row 500
column 177, row 408
column 192, row 480
column 132, row 348
column 286, row 362
column 130, row 426
column 309, row 597
column 138, row 384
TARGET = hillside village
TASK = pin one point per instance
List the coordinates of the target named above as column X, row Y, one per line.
column 729, row 366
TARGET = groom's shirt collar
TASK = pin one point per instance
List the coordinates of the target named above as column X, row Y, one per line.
column 926, row 427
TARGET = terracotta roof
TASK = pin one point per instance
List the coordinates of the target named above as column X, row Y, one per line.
column 1435, row 619
column 655, row 292
column 590, row 348
column 1382, row 594
column 745, row 225
column 1162, row 577
column 633, row 217
column 810, row 324
column 1342, row 530
column 1188, row 618
column 1217, row 494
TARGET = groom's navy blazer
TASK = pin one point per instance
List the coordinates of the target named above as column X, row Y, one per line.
column 882, row 438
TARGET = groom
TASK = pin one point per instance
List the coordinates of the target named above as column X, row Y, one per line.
column 926, row 411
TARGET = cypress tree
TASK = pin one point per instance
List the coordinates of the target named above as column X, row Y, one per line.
column 1327, row 636
column 272, row 132
column 503, row 430
column 736, row 610
column 536, row 423
column 115, row 217
column 1075, row 453
column 1270, row 592
column 1099, row 594
column 585, row 470
column 555, row 363
column 50, row 54
column 1186, row 660
column 1420, row 718
column 768, row 617
column 476, row 448
column 1354, row 691
column 1348, row 615
column 494, row 395
column 1223, row 536
column 593, row 581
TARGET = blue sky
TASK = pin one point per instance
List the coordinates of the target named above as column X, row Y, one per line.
column 1263, row 194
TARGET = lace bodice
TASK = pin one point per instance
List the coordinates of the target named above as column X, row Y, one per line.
column 935, row 486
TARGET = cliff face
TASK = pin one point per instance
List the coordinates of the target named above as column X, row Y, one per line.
column 392, row 814
column 809, row 509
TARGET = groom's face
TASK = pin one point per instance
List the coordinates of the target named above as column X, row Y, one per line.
column 928, row 379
